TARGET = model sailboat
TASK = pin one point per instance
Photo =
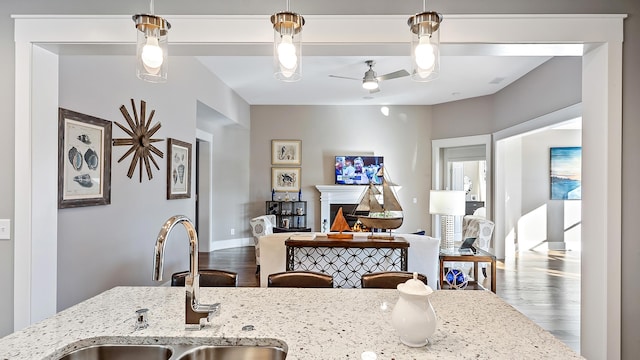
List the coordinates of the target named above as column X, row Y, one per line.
column 339, row 225
column 386, row 216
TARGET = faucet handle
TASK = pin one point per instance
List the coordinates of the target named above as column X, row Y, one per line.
column 212, row 310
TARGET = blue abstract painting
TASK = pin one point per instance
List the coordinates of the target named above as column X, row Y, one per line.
column 566, row 170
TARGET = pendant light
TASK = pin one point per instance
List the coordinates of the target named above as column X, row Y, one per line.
column 152, row 47
column 287, row 55
column 425, row 44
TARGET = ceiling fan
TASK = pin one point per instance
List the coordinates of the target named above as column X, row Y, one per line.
column 370, row 79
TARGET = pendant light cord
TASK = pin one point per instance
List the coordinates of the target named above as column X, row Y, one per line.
column 287, row 5
column 151, row 7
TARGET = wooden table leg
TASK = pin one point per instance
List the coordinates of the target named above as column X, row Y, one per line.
column 441, row 282
column 493, row 276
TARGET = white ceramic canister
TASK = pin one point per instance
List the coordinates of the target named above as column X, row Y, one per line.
column 413, row 316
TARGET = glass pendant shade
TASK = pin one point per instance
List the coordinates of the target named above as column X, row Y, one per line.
column 287, row 54
column 152, row 47
column 425, row 45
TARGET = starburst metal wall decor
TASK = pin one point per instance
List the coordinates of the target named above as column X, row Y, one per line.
column 140, row 141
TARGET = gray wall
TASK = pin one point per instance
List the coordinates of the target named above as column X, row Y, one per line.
column 326, row 131
column 630, row 88
column 105, row 246
column 552, row 86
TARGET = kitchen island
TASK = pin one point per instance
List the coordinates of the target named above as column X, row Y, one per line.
column 308, row 323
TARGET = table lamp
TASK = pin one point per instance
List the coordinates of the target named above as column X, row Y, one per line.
column 447, row 204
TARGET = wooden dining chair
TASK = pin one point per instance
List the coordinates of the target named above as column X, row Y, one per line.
column 300, row 279
column 208, row 278
column 388, row 279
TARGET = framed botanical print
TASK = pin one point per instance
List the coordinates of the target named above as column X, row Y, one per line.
column 286, row 152
column 84, row 160
column 178, row 169
column 285, row 179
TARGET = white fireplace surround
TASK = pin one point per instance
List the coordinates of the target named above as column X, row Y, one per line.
column 337, row 194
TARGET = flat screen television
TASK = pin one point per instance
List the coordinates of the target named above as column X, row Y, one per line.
column 359, row 170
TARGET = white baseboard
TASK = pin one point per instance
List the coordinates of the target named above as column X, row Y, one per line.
column 231, row 243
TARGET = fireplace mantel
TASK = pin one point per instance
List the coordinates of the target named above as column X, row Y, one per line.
column 336, row 194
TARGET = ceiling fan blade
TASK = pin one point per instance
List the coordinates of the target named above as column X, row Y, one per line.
column 344, row 77
column 394, row 75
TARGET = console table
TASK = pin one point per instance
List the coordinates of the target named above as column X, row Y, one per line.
column 347, row 260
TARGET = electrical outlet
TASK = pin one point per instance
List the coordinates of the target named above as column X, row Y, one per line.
column 233, row 231
column 5, row 229
column 415, row 200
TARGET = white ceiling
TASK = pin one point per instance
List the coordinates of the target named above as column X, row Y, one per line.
column 461, row 77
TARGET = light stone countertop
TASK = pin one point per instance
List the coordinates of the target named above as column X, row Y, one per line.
column 310, row 323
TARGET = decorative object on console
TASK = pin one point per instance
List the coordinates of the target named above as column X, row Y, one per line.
column 140, row 141
column 285, row 179
column 152, row 47
column 84, row 160
column 286, row 152
column 385, row 216
column 340, row 224
column 447, row 204
column 566, row 172
column 178, row 169
column 287, row 54
column 425, row 44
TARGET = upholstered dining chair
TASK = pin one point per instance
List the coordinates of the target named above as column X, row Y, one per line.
column 208, row 278
column 300, row 279
column 388, row 279
column 260, row 226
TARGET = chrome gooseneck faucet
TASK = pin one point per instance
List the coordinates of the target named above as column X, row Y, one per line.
column 194, row 311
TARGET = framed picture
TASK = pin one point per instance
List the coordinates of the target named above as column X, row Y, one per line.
column 178, row 169
column 84, row 160
column 286, row 152
column 285, row 179
column 566, row 170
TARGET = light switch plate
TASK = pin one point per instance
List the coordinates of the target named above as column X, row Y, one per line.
column 5, row 229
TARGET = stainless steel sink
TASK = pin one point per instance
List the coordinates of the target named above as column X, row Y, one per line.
column 121, row 352
column 234, row 352
column 176, row 349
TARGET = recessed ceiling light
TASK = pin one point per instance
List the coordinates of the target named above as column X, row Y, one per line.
column 497, row 80
column 367, row 97
column 455, row 93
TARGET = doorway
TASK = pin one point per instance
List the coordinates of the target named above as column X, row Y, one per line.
column 465, row 170
column 204, row 190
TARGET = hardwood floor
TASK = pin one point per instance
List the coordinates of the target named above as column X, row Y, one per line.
column 543, row 285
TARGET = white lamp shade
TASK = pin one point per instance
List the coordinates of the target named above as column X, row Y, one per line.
column 447, row 202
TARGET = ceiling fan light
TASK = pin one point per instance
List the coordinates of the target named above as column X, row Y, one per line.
column 425, row 45
column 370, row 84
column 152, row 47
column 287, row 28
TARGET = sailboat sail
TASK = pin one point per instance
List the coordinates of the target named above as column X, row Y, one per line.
column 369, row 200
column 390, row 201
